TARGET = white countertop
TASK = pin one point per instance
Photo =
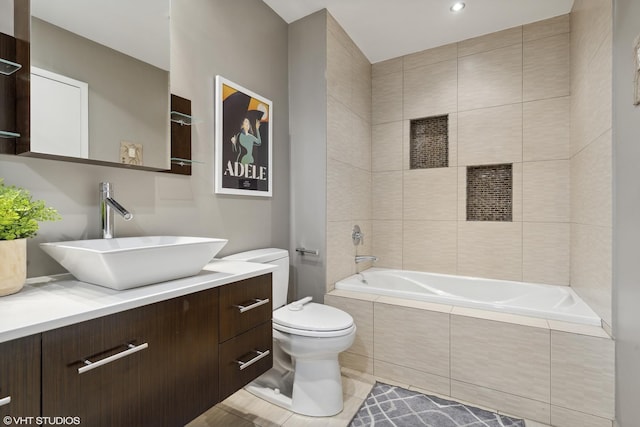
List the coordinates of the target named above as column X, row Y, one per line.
column 50, row 302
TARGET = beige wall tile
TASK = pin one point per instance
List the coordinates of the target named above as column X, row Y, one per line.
column 504, row 402
column 362, row 313
column 429, row 345
column 547, row 28
column 591, row 108
column 582, row 373
column 490, row 135
column 339, row 70
column 386, row 95
column 591, row 23
column 517, row 196
column 387, row 195
column 490, row 41
column 361, row 194
column 340, row 252
column 355, row 361
column 389, row 66
column 546, row 253
column 490, row 249
column 505, row 357
column 339, row 131
column 360, row 138
column 387, row 243
column 577, row 328
column 592, row 182
column 361, row 86
column 591, row 267
column 430, row 194
column 339, row 197
column 500, row 316
column 453, row 139
column 562, row 417
column 546, row 129
column 413, row 377
column 430, row 56
column 546, row 68
column 430, row 90
column 491, row 78
column 387, row 147
column 430, row 246
column 546, row 191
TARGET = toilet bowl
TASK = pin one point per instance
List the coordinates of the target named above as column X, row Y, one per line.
column 307, row 339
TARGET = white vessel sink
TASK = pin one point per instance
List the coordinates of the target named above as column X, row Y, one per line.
column 129, row 262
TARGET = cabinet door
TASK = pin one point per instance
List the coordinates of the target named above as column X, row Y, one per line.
column 120, row 349
column 196, row 354
column 20, row 377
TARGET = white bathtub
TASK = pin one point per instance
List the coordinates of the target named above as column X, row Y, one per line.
column 529, row 299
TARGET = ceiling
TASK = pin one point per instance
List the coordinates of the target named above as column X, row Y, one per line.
column 385, row 29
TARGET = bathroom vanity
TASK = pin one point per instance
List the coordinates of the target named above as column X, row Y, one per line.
column 158, row 355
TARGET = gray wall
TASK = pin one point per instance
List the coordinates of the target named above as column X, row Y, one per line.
column 6, row 17
column 242, row 40
column 308, row 127
column 626, row 231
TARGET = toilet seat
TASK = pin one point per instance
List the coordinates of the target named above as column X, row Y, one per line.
column 313, row 320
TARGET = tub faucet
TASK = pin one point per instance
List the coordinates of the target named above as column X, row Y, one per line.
column 107, row 206
column 365, row 258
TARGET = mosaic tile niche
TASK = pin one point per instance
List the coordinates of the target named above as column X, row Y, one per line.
column 429, row 143
column 490, row 193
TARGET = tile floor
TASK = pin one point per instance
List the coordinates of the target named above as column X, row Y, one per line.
column 243, row 409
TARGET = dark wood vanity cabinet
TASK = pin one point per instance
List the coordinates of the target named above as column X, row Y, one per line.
column 162, row 364
column 20, row 377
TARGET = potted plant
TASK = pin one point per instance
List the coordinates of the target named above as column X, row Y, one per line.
column 19, row 220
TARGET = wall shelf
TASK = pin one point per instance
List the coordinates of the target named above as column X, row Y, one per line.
column 8, row 67
column 8, row 135
column 181, row 118
column 183, row 162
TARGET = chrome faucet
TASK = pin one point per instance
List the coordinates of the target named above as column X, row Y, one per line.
column 365, row 258
column 107, row 206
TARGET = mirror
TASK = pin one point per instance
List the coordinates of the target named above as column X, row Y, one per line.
column 100, row 81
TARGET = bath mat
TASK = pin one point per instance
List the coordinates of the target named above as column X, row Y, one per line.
column 390, row 406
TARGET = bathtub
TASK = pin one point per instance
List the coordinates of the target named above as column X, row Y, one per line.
column 528, row 299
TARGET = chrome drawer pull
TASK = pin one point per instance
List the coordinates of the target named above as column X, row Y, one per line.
column 257, row 303
column 89, row 365
column 261, row 354
column 5, row 400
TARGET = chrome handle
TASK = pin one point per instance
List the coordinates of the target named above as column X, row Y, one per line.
column 89, row 365
column 5, row 400
column 305, row 251
column 257, row 303
column 261, row 355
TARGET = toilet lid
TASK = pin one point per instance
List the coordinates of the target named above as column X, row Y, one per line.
column 313, row 317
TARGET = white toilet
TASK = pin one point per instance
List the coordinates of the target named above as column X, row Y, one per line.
column 307, row 338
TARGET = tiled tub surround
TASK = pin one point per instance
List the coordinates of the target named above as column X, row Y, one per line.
column 507, row 98
column 554, row 372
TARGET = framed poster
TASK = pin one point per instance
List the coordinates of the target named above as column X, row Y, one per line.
column 243, row 140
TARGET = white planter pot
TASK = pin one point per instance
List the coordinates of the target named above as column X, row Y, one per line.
column 13, row 267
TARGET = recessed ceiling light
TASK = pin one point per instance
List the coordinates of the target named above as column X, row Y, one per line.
column 457, row 6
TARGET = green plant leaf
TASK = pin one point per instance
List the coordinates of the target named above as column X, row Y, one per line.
column 20, row 215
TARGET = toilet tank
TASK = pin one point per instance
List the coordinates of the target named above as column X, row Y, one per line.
column 279, row 257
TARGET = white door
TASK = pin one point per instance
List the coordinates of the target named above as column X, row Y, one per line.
column 59, row 114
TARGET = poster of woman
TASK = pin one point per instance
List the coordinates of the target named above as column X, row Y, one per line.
column 243, row 130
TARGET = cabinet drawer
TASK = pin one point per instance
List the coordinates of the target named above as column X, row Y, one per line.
column 244, row 358
column 20, row 377
column 244, row 305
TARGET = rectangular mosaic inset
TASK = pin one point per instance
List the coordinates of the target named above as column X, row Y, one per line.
column 429, row 143
column 490, row 193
